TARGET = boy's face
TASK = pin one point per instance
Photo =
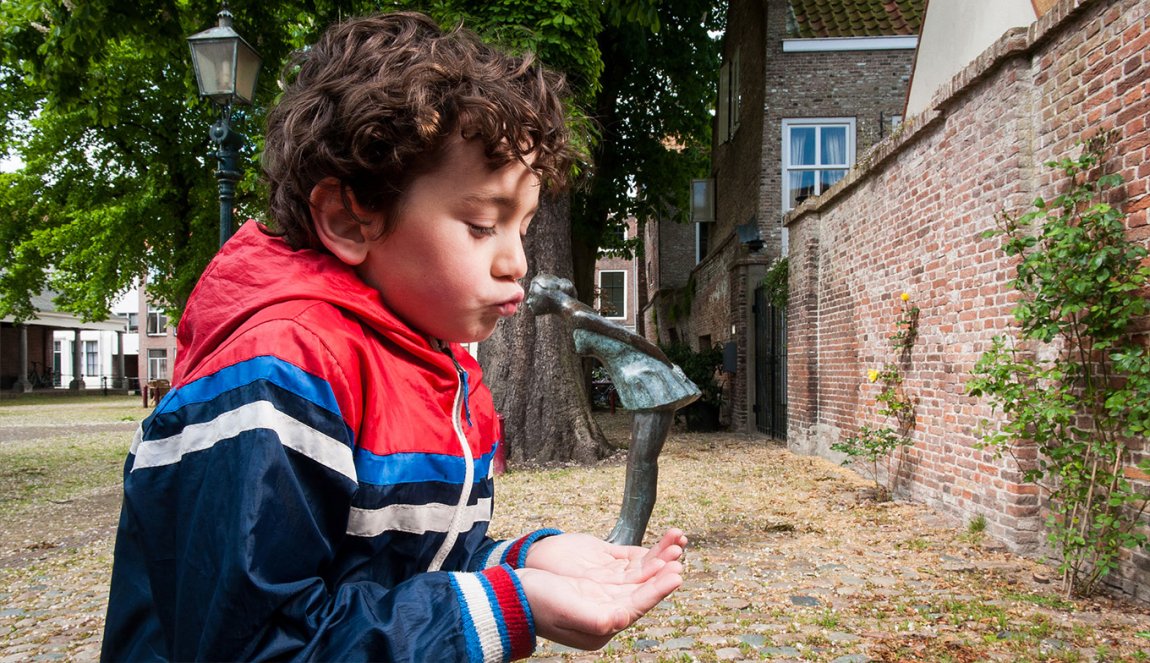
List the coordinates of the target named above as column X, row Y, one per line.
column 451, row 265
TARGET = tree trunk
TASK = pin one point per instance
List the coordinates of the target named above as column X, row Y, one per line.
column 531, row 367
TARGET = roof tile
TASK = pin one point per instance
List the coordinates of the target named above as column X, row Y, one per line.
column 854, row 18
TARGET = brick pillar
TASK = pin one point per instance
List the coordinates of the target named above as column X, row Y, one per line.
column 802, row 348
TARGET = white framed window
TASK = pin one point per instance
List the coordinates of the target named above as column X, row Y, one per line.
column 91, row 358
column 613, row 294
column 730, row 98
column 157, row 322
column 57, row 362
column 817, row 152
column 157, row 364
column 133, row 323
column 703, row 200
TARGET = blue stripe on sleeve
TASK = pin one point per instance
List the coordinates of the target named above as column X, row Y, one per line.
column 291, row 390
column 401, row 468
column 273, row 369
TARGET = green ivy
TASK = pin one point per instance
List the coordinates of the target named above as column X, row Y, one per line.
column 776, row 283
column 1075, row 384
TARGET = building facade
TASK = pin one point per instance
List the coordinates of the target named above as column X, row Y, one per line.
column 805, row 88
column 617, row 284
column 38, row 353
column 107, row 359
column 157, row 336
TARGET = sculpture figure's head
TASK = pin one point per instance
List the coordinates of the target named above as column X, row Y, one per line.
column 547, row 294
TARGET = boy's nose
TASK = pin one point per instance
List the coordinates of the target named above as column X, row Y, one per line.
column 511, row 263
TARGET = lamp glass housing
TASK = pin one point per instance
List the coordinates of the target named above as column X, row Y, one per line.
column 226, row 65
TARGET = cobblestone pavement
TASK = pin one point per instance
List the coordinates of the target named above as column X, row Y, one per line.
column 789, row 561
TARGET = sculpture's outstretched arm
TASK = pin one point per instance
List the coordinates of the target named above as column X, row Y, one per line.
column 551, row 294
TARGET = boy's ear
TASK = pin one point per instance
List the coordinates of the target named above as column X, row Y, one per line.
column 343, row 234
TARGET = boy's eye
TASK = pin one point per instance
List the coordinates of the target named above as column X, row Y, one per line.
column 481, row 231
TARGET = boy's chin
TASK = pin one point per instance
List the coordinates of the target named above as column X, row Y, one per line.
column 475, row 337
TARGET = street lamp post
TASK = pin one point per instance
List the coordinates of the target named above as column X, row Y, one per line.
column 226, row 71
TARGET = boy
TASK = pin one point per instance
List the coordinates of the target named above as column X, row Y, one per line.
column 317, row 485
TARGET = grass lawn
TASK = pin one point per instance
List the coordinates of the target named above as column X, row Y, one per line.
column 56, row 448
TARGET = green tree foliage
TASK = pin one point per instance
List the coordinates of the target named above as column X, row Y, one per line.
column 99, row 102
column 654, row 125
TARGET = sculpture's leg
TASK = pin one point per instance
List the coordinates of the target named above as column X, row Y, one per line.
column 648, row 432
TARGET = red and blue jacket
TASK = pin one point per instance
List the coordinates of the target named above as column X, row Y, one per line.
column 316, row 485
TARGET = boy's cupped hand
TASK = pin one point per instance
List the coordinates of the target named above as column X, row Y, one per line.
column 583, row 613
column 583, row 590
column 584, row 556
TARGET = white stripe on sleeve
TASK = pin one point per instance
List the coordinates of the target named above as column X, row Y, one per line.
column 260, row 415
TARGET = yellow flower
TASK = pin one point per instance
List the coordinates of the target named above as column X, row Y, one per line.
column 872, row 375
column 905, row 297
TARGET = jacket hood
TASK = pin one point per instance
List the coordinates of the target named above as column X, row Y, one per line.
column 255, row 270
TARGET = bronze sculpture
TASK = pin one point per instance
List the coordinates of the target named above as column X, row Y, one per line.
column 646, row 382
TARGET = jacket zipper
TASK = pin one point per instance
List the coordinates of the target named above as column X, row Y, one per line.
column 461, row 404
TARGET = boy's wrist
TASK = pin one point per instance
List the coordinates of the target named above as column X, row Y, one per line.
column 514, row 552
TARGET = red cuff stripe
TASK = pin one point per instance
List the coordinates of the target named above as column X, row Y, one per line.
column 515, row 610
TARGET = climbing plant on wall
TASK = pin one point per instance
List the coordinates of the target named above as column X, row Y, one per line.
column 1074, row 382
column 877, row 445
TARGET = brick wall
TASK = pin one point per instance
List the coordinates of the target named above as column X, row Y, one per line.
column 869, row 86
column 670, row 257
column 908, row 220
column 711, row 302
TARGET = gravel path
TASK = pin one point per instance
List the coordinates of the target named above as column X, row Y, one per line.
column 789, row 561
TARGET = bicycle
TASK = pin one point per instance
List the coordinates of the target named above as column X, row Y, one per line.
column 40, row 380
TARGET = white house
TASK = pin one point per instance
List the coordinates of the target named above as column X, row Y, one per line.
column 100, row 350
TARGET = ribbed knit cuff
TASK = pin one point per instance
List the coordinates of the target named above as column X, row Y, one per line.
column 516, row 555
column 514, row 552
column 497, row 621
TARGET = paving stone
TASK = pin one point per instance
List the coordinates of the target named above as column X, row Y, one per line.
column 677, row 643
column 739, row 601
column 753, row 640
column 839, row 636
column 1051, row 645
column 805, row 601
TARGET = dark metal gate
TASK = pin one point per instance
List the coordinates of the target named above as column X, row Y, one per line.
column 770, row 367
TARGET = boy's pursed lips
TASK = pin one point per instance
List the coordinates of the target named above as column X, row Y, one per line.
column 510, row 306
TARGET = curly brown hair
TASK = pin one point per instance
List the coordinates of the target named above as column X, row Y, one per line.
column 374, row 101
